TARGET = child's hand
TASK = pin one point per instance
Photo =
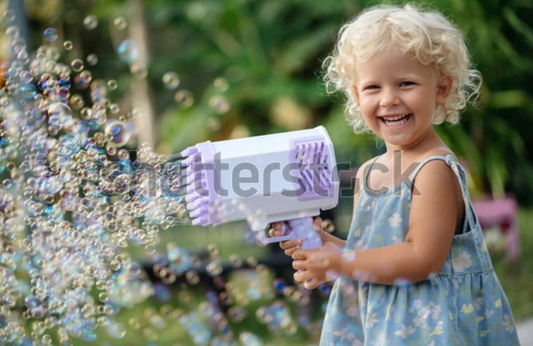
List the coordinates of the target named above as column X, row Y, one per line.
column 292, row 245
column 313, row 265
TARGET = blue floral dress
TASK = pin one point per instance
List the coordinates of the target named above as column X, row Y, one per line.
column 464, row 305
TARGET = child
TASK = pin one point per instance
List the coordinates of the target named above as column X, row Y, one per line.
column 415, row 247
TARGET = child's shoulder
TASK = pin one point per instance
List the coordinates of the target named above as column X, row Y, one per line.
column 432, row 170
column 437, row 191
column 440, row 151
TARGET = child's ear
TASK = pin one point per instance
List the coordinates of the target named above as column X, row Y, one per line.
column 444, row 89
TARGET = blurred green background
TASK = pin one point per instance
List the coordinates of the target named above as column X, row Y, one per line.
column 253, row 67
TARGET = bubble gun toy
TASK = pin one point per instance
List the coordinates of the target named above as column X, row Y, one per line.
column 288, row 177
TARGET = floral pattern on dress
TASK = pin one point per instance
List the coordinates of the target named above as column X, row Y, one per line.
column 463, row 305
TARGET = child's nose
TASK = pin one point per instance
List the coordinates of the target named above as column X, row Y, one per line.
column 389, row 98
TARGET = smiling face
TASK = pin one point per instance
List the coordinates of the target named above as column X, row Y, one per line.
column 398, row 96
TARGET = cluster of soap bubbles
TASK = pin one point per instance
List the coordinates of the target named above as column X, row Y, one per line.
column 73, row 200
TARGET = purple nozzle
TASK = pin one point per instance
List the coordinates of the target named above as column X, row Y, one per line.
column 200, row 212
column 191, row 197
column 189, row 151
column 189, row 161
column 195, row 177
column 197, row 203
column 201, row 221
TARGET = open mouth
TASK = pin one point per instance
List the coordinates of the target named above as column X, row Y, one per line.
column 396, row 121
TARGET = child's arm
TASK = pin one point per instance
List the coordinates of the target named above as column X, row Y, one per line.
column 330, row 238
column 432, row 223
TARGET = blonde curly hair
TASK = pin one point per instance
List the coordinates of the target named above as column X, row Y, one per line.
column 426, row 35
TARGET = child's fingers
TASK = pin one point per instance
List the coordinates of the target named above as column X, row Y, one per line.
column 299, row 255
column 299, row 276
column 285, row 245
column 290, row 251
column 298, row 265
column 310, row 284
column 317, row 224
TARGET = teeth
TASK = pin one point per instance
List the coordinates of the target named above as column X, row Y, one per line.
column 396, row 121
column 395, row 118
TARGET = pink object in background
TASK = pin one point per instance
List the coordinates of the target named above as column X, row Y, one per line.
column 503, row 213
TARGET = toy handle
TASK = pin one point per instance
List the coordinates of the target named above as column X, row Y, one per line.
column 301, row 228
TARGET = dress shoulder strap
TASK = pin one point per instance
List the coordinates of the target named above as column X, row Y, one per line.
column 461, row 175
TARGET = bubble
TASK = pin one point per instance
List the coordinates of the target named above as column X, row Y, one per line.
column 279, row 285
column 348, row 255
column 59, row 114
column 76, row 102
column 9, row 15
column 90, row 22
column 112, row 84
column 214, row 268
column 184, row 98
column 401, row 282
column 250, row 339
column 92, row 59
column 179, row 260
column 139, row 71
column 50, row 34
column 167, row 276
column 219, row 104
column 12, row 32
column 328, row 226
column 432, row 276
column 134, row 269
column 111, row 150
column 171, row 80
column 120, row 23
column 192, row 277
column 123, row 154
column 28, row 91
column 77, row 65
column 251, row 261
column 235, row 260
column 213, row 124
column 114, row 108
column 212, row 249
column 83, row 208
column 25, row 77
column 221, row 84
column 118, row 132
column 46, row 339
column 68, row 45
column 127, row 51
column 117, row 331
column 149, row 249
column 64, row 83
column 236, row 314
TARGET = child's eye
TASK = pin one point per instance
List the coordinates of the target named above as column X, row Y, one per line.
column 406, row 83
column 372, row 87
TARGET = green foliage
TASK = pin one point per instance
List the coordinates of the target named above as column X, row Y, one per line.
column 272, row 50
column 270, row 54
